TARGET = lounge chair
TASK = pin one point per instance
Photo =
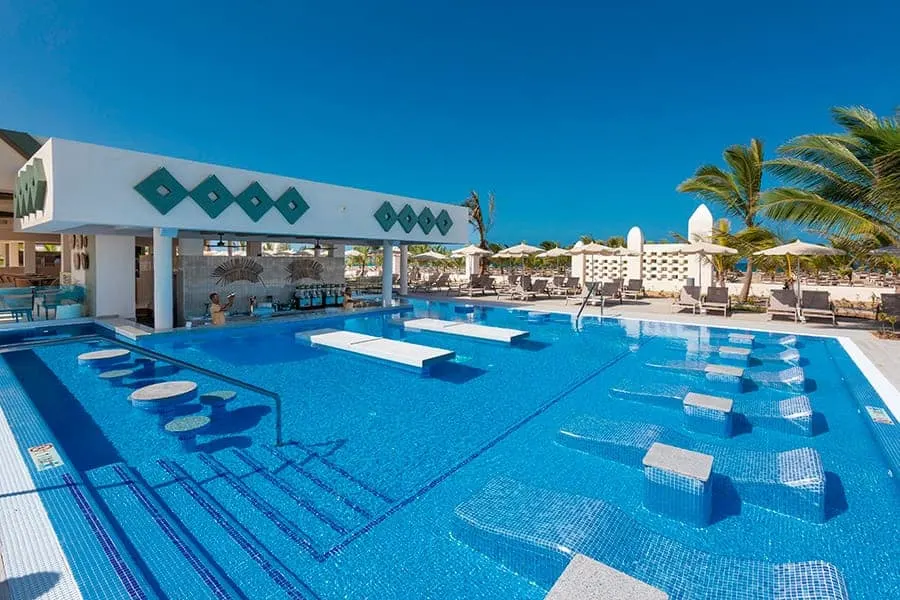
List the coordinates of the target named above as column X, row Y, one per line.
column 634, row 290
column 818, row 306
column 782, row 303
column 890, row 305
column 610, row 291
column 688, row 297
column 589, row 293
column 436, row 283
column 536, row 289
column 717, row 299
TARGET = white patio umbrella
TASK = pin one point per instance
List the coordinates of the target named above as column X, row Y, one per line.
column 555, row 253
column 591, row 249
column 519, row 251
column 703, row 249
column 351, row 253
column 472, row 250
column 431, row 255
column 798, row 248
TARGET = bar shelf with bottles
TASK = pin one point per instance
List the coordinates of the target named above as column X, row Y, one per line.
column 318, row 295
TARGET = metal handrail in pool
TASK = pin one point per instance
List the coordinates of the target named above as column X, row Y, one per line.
column 585, row 301
column 163, row 357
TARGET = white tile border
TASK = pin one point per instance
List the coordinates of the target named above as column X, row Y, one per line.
column 28, row 542
column 889, row 394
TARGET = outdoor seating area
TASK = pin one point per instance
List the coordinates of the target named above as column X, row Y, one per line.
column 41, row 303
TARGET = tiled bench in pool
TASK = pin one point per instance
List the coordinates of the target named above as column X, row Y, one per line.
column 587, row 579
column 536, row 532
column 718, row 377
column 383, row 349
column 791, row 482
column 791, row 415
column 677, row 483
column 791, row 379
column 708, row 414
column 463, row 329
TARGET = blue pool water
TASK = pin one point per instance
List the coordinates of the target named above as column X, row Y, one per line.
column 368, row 497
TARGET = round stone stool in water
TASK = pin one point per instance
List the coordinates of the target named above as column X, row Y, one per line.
column 186, row 429
column 159, row 397
column 102, row 358
column 217, row 400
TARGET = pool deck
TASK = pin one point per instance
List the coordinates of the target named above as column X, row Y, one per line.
column 884, row 354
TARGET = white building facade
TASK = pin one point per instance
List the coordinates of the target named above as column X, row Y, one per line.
column 660, row 266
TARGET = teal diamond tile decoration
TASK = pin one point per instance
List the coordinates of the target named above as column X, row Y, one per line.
column 426, row 220
column 31, row 189
column 407, row 218
column 443, row 222
column 38, row 186
column 255, row 201
column 386, row 216
column 212, row 196
column 161, row 190
column 291, row 205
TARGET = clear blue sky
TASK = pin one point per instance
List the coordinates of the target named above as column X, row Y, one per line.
column 582, row 117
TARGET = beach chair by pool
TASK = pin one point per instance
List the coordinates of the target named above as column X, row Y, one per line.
column 634, row 290
column 782, row 303
column 817, row 305
column 688, row 297
column 538, row 288
column 717, row 299
column 425, row 285
column 610, row 292
column 890, row 305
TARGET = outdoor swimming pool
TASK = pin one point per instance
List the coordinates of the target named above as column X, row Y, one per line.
column 395, row 485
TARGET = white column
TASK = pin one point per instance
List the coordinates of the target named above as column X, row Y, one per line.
column 65, row 255
column 13, row 254
column 4, row 247
column 162, row 280
column 404, row 269
column 29, row 257
column 387, row 272
column 109, row 276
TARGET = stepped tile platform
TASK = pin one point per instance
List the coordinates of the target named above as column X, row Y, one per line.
column 788, row 355
column 792, row 415
column 536, row 532
column 725, row 376
column 463, row 329
column 744, row 339
column 103, row 358
column 788, row 340
column 392, row 351
column 676, row 483
column 708, row 414
column 790, row 379
column 791, row 482
column 587, row 579
column 159, row 397
column 735, row 353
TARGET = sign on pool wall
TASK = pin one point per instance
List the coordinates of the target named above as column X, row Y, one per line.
column 45, row 457
column 879, row 415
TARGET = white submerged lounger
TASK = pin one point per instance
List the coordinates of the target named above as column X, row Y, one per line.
column 463, row 329
column 401, row 353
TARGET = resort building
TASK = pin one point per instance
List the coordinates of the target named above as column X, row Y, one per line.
column 661, row 266
column 106, row 207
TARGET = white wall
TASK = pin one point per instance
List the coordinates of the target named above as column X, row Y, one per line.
column 111, row 276
column 94, row 185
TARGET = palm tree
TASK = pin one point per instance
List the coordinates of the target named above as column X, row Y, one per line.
column 846, row 184
column 736, row 190
column 586, row 239
column 616, row 241
column 480, row 221
column 549, row 244
column 362, row 259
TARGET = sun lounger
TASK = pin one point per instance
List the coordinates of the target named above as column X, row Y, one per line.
column 538, row 288
column 717, row 299
column 782, row 303
column 634, row 290
column 465, row 329
column 818, row 306
column 394, row 351
column 688, row 297
column 535, row 532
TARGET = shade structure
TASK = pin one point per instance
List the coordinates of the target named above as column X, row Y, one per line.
column 472, row 250
column 593, row 249
column 554, row 253
column 703, row 249
column 351, row 253
column 430, row 255
column 798, row 248
column 519, row 251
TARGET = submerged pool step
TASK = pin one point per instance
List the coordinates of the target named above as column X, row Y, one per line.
column 535, row 532
column 292, row 527
column 178, row 565
column 234, row 548
column 790, row 482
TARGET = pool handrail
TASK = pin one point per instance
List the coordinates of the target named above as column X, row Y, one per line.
column 163, row 357
column 587, row 297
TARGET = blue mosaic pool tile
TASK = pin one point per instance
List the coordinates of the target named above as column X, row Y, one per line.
column 708, row 420
column 174, row 561
column 678, row 497
column 97, row 557
column 535, row 532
